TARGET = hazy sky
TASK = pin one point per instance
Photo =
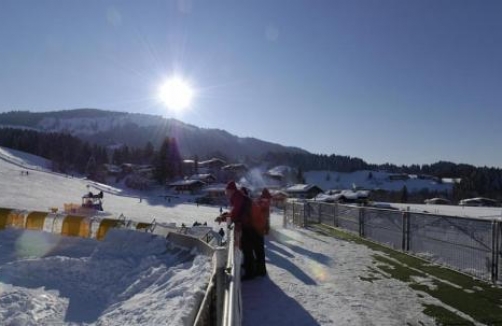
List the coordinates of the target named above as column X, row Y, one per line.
column 387, row 81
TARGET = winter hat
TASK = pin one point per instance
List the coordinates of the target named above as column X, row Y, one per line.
column 231, row 186
column 266, row 194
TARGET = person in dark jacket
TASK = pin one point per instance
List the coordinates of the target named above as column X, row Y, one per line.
column 240, row 216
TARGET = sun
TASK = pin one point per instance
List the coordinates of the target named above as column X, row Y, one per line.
column 176, row 94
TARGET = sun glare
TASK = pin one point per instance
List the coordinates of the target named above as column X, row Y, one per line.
column 176, row 94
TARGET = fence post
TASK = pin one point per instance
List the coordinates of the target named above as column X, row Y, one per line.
column 335, row 209
column 495, row 250
column 319, row 205
column 406, row 230
column 293, row 216
column 305, row 207
column 285, row 215
column 361, row 221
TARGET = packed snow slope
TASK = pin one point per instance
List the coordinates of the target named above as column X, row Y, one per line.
column 131, row 278
column 41, row 189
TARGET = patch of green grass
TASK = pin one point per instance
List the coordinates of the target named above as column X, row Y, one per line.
column 483, row 301
column 443, row 316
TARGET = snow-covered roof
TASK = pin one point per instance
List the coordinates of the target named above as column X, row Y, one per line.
column 301, row 188
column 188, row 182
column 344, row 194
column 216, row 187
column 211, row 161
column 237, row 166
column 202, row 176
column 280, row 170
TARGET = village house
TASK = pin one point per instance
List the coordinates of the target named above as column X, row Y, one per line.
column 204, row 177
column 187, row 186
column 304, row 191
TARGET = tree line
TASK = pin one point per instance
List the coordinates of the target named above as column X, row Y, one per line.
column 70, row 154
column 474, row 181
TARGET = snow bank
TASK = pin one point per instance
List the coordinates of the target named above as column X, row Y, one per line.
column 131, row 278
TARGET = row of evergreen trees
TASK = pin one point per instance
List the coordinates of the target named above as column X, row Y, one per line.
column 475, row 181
column 70, row 154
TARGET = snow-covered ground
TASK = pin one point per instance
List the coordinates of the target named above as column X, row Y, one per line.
column 312, row 279
column 489, row 213
column 128, row 279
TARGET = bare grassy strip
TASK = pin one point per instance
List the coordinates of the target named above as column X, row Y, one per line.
column 477, row 299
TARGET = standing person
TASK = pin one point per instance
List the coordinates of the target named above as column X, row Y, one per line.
column 265, row 199
column 263, row 229
column 240, row 215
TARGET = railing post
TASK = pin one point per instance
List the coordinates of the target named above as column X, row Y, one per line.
column 220, row 254
column 495, row 250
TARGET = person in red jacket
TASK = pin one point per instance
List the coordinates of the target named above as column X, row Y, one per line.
column 265, row 199
column 259, row 244
column 240, row 215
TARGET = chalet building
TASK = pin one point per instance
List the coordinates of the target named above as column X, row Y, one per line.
column 304, row 191
column 214, row 164
column 214, row 195
column 278, row 199
column 112, row 170
column 399, row 177
column 427, row 177
column 207, row 178
column 187, row 186
column 188, row 167
column 234, row 171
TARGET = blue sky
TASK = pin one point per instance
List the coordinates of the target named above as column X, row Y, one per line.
column 387, row 81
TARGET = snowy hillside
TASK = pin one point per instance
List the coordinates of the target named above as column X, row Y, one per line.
column 22, row 159
column 134, row 129
column 89, row 126
column 328, row 180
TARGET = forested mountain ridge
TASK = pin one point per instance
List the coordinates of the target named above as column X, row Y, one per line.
column 136, row 130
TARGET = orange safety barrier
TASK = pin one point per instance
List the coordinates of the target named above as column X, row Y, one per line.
column 4, row 214
column 15, row 219
column 35, row 220
column 105, row 225
column 76, row 226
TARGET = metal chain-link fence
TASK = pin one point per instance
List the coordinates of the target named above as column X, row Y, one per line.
column 472, row 246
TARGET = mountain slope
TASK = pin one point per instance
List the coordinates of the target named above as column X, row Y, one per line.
column 134, row 129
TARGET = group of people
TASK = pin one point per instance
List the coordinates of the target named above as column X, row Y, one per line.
column 252, row 222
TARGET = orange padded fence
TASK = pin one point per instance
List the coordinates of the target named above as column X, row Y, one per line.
column 4, row 213
column 16, row 219
column 105, row 225
column 76, row 226
column 35, row 220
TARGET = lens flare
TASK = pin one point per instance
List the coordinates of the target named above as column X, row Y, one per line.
column 33, row 244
